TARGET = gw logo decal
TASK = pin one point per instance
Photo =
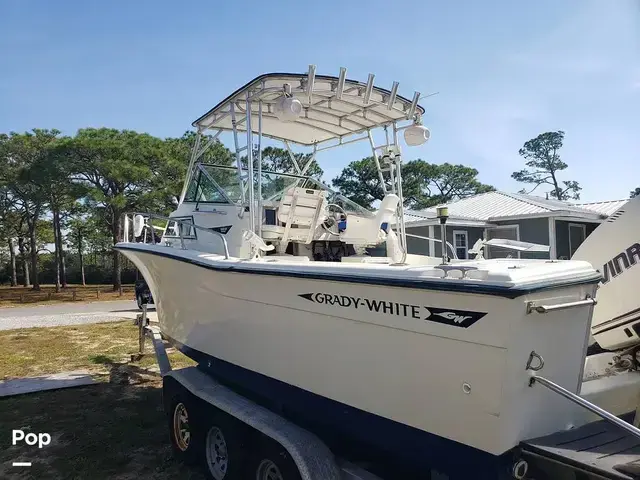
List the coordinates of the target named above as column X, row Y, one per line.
column 452, row 316
column 223, row 230
column 455, row 318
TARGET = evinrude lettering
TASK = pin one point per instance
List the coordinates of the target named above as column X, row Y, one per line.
column 457, row 318
column 621, row 262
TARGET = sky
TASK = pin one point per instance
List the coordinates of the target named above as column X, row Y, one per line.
column 503, row 71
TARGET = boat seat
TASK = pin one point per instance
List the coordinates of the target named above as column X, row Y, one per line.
column 368, row 231
column 301, row 211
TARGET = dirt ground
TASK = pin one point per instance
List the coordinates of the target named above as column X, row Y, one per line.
column 115, row 429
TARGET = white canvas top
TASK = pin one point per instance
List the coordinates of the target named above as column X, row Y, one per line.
column 325, row 116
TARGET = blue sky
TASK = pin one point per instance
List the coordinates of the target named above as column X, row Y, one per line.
column 505, row 71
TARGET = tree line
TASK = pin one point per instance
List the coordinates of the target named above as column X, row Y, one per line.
column 71, row 192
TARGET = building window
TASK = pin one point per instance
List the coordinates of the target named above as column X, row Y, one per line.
column 577, row 234
column 461, row 243
column 509, row 232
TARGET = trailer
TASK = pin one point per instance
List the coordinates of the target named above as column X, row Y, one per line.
column 234, row 437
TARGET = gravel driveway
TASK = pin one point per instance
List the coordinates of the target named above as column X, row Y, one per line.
column 67, row 314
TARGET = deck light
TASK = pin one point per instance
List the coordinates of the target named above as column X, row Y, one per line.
column 416, row 134
column 287, row 108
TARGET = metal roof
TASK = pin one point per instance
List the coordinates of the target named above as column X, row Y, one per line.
column 494, row 206
column 333, row 107
column 605, row 208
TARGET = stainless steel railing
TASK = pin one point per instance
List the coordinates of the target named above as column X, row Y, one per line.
column 577, row 399
column 149, row 227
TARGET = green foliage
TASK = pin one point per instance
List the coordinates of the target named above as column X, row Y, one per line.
column 23, row 159
column 634, row 193
column 424, row 184
column 429, row 184
column 278, row 160
column 359, row 182
column 543, row 159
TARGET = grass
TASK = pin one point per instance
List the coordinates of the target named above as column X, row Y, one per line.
column 99, row 348
column 15, row 296
column 115, row 429
column 106, row 431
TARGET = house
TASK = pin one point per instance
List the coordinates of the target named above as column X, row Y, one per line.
column 528, row 218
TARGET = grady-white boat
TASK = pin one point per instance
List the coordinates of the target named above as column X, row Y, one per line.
column 274, row 283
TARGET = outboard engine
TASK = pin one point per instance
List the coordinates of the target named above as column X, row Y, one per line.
column 614, row 249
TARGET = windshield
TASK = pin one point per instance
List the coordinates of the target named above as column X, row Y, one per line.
column 219, row 184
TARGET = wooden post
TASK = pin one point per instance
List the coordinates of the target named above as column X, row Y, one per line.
column 98, row 293
column 22, row 298
column 120, row 290
column 74, row 295
column 49, row 296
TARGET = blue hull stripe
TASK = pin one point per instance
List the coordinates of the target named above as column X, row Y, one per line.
column 455, row 287
column 351, row 431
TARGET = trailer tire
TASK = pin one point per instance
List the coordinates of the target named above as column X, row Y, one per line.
column 185, row 438
column 224, row 447
column 273, row 462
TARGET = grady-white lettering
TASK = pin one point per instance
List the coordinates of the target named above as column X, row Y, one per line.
column 393, row 308
column 457, row 318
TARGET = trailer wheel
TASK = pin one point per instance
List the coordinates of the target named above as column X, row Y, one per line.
column 224, row 448
column 184, row 438
column 273, row 462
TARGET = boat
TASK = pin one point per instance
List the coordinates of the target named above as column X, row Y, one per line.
column 283, row 288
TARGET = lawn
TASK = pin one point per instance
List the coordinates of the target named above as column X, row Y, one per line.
column 16, row 296
column 115, row 429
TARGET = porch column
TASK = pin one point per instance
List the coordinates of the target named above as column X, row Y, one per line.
column 432, row 244
column 552, row 238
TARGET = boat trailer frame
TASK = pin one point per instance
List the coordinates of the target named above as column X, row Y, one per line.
column 312, row 457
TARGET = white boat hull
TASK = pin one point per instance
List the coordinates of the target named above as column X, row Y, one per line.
column 466, row 384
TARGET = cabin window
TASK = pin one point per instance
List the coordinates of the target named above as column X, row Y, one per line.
column 461, row 243
column 202, row 190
